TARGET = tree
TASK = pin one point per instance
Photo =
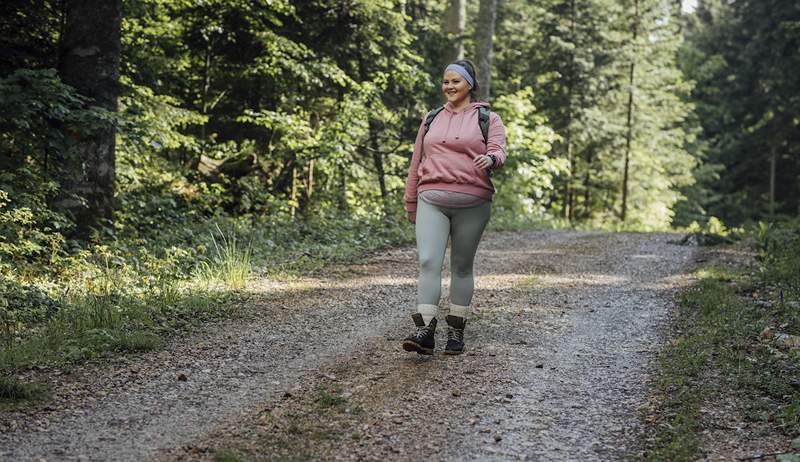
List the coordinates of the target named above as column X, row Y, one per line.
column 89, row 61
column 455, row 19
column 743, row 57
column 484, row 35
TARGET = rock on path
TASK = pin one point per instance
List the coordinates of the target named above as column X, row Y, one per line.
column 566, row 324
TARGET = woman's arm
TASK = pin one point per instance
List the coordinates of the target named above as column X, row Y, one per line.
column 413, row 179
column 496, row 141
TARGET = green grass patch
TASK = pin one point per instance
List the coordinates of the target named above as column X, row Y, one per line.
column 719, row 349
column 14, row 391
column 92, row 326
column 229, row 262
column 226, row 455
column 329, row 397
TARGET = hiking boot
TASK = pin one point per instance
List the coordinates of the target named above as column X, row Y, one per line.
column 455, row 335
column 422, row 341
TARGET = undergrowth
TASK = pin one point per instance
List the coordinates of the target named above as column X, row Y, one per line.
column 725, row 344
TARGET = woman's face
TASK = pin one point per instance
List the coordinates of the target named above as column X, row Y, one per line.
column 455, row 88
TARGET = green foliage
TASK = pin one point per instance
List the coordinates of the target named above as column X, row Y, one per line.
column 527, row 177
column 40, row 120
column 746, row 98
column 779, row 253
column 578, row 56
column 720, row 323
column 229, row 262
column 13, row 390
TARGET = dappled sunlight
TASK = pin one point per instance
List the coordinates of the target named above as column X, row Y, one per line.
column 276, row 286
column 532, row 281
column 646, row 257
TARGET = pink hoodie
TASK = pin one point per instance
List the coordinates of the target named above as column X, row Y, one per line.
column 445, row 160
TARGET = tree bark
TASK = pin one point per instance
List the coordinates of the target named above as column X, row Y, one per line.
column 629, row 118
column 773, row 161
column 484, row 35
column 343, row 206
column 377, row 159
column 568, row 193
column 587, row 181
column 89, row 61
column 310, row 181
column 455, row 20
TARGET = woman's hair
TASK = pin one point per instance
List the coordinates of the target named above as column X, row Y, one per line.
column 475, row 91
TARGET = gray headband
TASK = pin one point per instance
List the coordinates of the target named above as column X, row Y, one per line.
column 463, row 71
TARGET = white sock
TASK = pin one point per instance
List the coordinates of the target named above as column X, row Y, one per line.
column 459, row 310
column 428, row 312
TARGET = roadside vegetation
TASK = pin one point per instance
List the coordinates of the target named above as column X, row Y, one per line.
column 736, row 334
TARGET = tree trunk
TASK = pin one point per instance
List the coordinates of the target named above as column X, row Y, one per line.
column 568, row 193
column 455, row 19
column 310, row 181
column 204, row 94
column 484, row 34
column 89, row 61
column 587, row 180
column 342, row 187
column 629, row 118
column 377, row 159
column 293, row 193
column 773, row 161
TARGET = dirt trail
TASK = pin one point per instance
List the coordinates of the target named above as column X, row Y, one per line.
column 565, row 326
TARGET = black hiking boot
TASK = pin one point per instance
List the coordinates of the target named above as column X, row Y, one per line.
column 455, row 335
column 422, row 340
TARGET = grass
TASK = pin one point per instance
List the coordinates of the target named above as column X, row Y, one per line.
column 226, row 455
column 329, row 398
column 230, row 262
column 718, row 350
column 14, row 392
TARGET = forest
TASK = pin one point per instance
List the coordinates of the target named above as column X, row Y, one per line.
column 157, row 154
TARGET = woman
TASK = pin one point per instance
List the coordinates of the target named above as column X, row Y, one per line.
column 448, row 195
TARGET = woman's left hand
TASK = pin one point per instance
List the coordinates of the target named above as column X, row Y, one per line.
column 482, row 162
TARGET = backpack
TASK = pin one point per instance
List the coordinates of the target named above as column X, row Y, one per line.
column 483, row 121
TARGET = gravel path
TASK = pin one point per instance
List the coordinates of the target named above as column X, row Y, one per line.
column 565, row 326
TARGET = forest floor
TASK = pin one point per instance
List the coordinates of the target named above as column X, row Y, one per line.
column 566, row 328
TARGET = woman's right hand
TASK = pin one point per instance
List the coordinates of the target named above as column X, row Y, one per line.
column 412, row 217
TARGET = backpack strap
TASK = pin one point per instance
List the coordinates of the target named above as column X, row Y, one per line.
column 483, row 121
column 429, row 120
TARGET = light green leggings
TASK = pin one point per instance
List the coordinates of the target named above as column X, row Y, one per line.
column 464, row 227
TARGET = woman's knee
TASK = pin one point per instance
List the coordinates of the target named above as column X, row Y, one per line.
column 429, row 263
column 461, row 267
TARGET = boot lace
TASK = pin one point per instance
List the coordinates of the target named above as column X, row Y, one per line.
column 422, row 332
column 455, row 334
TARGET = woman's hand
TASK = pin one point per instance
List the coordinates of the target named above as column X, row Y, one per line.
column 412, row 217
column 482, row 162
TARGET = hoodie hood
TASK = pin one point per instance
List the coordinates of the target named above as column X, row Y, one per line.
column 470, row 107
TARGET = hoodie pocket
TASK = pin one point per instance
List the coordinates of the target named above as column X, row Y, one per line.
column 451, row 168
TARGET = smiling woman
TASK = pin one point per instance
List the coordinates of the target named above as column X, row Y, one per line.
column 457, row 145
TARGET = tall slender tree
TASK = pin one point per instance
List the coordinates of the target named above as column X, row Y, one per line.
column 629, row 118
column 484, row 37
column 455, row 20
column 89, row 61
